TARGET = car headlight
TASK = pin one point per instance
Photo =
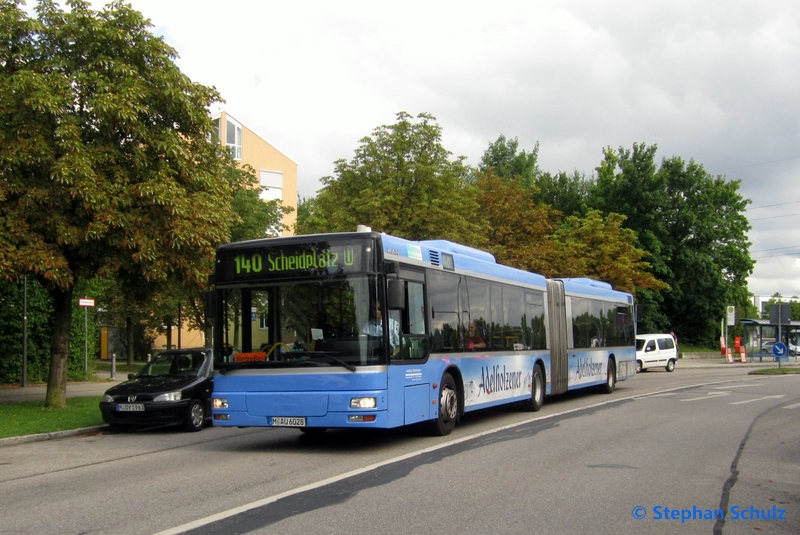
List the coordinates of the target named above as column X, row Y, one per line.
column 107, row 399
column 169, row 396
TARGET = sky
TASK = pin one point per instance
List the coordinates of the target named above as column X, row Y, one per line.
column 713, row 81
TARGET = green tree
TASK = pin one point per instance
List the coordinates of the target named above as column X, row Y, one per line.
column 602, row 248
column 694, row 228
column 564, row 192
column 504, row 160
column 516, row 229
column 401, row 181
column 39, row 327
column 106, row 159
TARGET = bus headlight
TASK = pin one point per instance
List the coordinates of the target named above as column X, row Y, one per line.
column 363, row 403
column 219, row 403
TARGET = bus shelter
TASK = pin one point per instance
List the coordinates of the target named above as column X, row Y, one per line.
column 760, row 336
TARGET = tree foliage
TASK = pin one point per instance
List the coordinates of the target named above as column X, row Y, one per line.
column 106, row 164
column 515, row 228
column 694, row 228
column 603, row 249
column 503, row 158
column 401, row 181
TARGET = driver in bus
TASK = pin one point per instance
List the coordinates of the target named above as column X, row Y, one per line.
column 374, row 326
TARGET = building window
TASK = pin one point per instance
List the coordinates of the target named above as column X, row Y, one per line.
column 272, row 185
column 233, row 139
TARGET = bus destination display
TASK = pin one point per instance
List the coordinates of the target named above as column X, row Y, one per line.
column 291, row 260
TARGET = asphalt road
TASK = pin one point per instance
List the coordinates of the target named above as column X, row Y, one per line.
column 723, row 440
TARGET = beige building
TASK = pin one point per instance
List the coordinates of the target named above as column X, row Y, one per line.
column 274, row 169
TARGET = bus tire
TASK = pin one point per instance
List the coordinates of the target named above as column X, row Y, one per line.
column 611, row 378
column 537, row 390
column 448, row 408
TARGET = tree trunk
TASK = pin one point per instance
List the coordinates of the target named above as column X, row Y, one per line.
column 59, row 349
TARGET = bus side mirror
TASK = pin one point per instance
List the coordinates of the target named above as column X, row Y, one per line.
column 396, row 294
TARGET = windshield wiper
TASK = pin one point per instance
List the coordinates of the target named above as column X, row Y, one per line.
column 325, row 354
column 340, row 362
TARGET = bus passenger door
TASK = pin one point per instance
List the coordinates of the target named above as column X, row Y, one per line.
column 409, row 388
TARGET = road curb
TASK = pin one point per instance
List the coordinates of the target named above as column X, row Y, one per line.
column 25, row 439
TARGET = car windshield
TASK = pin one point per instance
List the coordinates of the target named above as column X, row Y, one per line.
column 639, row 344
column 187, row 363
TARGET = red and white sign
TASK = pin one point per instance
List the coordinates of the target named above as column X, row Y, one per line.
column 86, row 302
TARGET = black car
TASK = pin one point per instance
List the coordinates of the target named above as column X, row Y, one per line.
column 174, row 388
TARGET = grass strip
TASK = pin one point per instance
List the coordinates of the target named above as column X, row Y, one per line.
column 31, row 417
column 776, row 371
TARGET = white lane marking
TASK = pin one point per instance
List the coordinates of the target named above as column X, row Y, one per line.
column 736, row 386
column 794, row 406
column 709, row 395
column 757, row 399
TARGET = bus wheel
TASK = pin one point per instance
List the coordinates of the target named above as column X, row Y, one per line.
column 537, row 390
column 611, row 378
column 448, row 408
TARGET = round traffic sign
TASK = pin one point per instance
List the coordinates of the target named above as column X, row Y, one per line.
column 779, row 349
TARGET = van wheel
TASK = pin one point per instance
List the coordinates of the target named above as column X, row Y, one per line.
column 611, row 378
column 639, row 368
column 670, row 365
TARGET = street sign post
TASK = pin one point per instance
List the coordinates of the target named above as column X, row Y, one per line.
column 780, row 351
column 86, row 303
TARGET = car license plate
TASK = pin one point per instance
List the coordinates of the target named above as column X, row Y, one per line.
column 125, row 407
column 280, row 421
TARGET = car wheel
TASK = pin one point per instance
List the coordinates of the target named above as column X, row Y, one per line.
column 670, row 365
column 537, row 390
column 195, row 416
column 638, row 366
column 448, row 408
column 611, row 378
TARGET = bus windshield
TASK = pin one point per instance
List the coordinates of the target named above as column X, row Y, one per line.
column 308, row 323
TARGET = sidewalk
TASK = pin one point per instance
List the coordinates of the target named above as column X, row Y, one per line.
column 11, row 393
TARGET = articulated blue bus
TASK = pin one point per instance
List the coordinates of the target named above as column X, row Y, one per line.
column 366, row 330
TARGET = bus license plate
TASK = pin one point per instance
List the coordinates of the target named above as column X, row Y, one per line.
column 280, row 421
column 124, row 407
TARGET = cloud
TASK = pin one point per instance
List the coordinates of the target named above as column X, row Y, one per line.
column 712, row 81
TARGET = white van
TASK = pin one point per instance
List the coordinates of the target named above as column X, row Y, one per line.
column 655, row 351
